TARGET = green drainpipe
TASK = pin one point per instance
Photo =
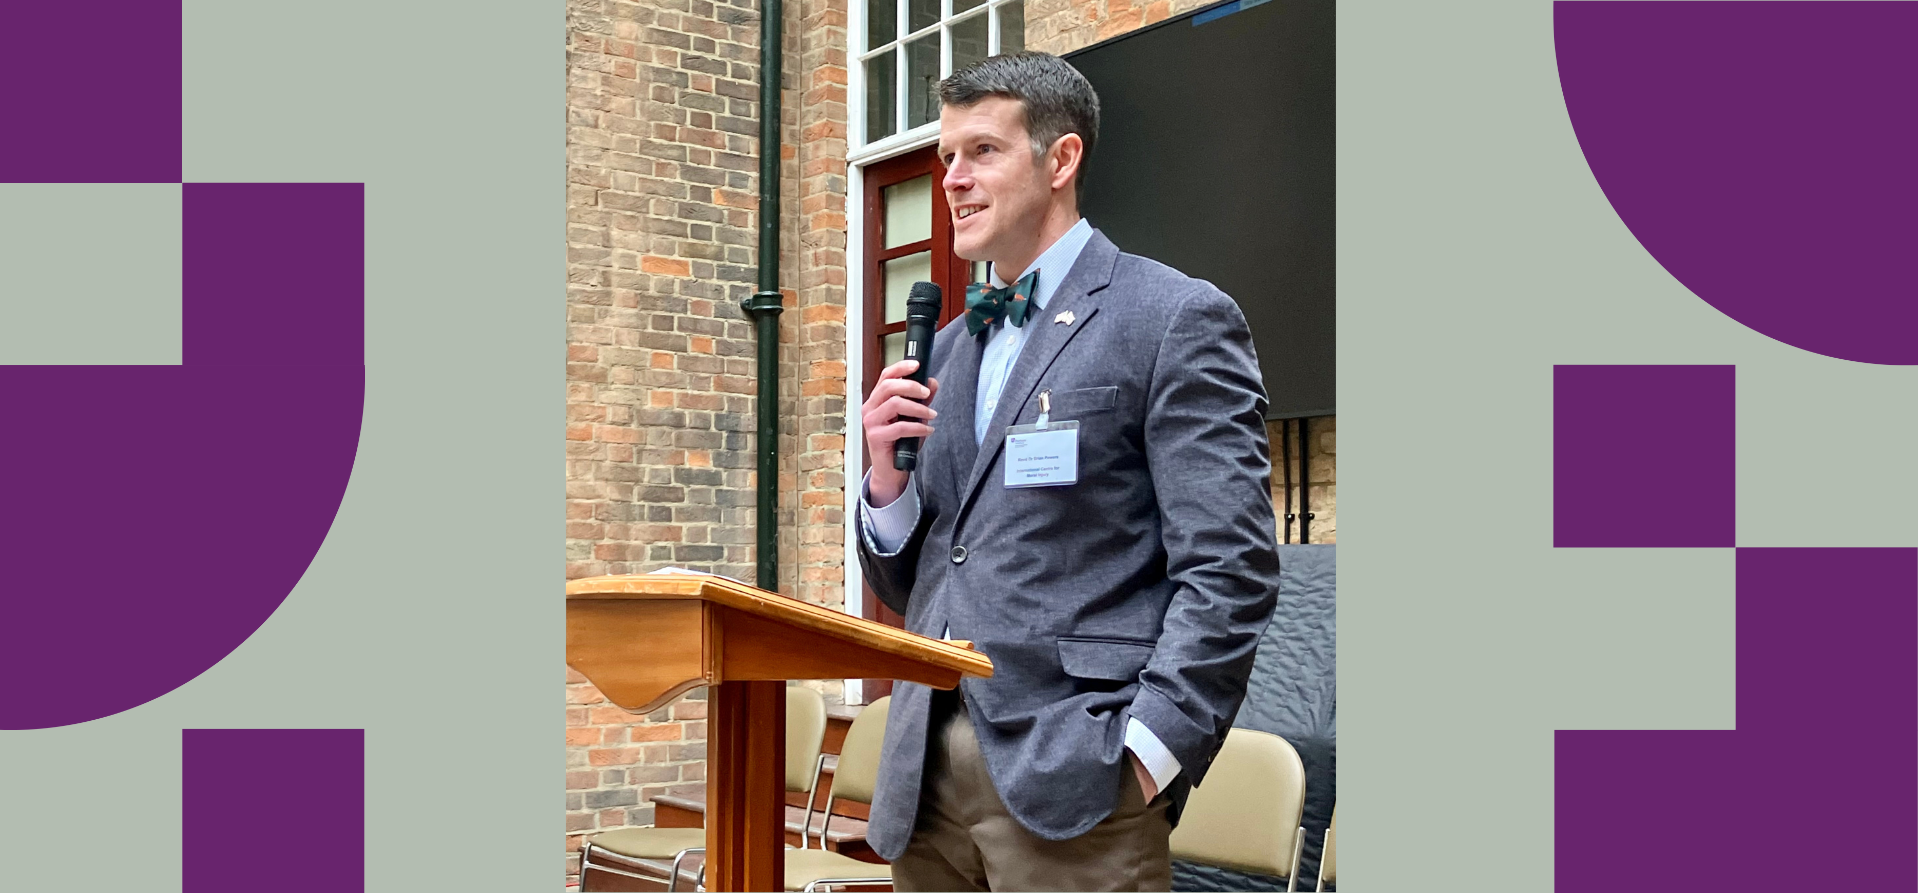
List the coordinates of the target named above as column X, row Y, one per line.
column 766, row 304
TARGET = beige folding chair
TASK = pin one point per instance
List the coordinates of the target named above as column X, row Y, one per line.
column 1327, row 864
column 858, row 773
column 1246, row 815
column 618, row 852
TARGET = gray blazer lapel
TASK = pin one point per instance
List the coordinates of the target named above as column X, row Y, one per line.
column 1092, row 272
column 962, row 375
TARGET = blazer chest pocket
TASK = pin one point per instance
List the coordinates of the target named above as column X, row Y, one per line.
column 1073, row 404
column 1117, row 660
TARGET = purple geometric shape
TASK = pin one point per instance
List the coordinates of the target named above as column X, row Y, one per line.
column 1763, row 153
column 77, row 110
column 258, row 294
column 155, row 516
column 1818, row 783
column 1643, row 456
column 316, row 846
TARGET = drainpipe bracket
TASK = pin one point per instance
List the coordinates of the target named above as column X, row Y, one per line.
column 771, row 301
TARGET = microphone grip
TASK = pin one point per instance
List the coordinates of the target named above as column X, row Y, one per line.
column 905, row 453
column 921, row 324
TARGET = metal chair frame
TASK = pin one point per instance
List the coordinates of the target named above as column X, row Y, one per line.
column 679, row 858
column 825, row 823
column 1324, row 848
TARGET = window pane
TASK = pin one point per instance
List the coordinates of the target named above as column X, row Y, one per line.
column 1012, row 27
column 893, row 349
column 879, row 97
column 909, row 211
column 922, row 80
column 900, row 275
column 922, row 13
column 882, row 22
column 968, row 41
column 959, row 6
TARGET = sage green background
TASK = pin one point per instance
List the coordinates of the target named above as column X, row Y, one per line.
column 1475, row 252
column 431, row 616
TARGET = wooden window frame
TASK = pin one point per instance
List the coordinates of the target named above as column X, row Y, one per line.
column 950, row 272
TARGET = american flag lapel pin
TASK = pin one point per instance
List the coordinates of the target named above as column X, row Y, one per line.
column 1065, row 316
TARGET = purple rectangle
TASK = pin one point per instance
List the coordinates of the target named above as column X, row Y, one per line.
column 1824, row 760
column 274, row 273
column 1643, row 456
column 315, row 841
column 90, row 92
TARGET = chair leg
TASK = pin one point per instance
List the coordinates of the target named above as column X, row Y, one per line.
column 672, row 883
column 585, row 857
column 1298, row 848
column 812, row 790
column 1320, row 886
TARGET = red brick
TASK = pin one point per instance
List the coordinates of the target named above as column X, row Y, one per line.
column 613, row 756
column 665, row 266
column 655, row 732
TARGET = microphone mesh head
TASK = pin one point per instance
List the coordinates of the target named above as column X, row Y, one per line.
column 923, row 300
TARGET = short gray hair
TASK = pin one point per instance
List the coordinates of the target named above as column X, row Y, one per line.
column 1054, row 97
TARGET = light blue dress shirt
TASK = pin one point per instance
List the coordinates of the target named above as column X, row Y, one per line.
column 886, row 528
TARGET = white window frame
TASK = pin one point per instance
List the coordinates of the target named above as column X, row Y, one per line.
column 902, row 139
column 862, row 153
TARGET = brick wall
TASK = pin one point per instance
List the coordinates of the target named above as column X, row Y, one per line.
column 1061, row 26
column 818, row 236
column 662, row 203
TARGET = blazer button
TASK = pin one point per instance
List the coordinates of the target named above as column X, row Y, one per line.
column 958, row 554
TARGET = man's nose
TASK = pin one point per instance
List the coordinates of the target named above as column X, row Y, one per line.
column 957, row 177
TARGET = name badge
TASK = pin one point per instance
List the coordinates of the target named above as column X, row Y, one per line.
column 1043, row 454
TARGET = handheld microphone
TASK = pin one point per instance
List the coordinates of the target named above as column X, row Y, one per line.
column 922, row 320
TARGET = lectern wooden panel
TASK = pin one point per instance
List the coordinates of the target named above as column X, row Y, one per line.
column 647, row 639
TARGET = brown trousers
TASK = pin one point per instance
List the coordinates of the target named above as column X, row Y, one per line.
column 965, row 840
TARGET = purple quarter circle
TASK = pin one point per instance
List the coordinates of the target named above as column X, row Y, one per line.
column 155, row 516
column 1817, row 786
column 1644, row 456
column 90, row 92
column 315, row 844
column 1765, row 153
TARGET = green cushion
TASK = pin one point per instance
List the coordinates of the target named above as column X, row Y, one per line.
column 805, row 866
column 650, row 843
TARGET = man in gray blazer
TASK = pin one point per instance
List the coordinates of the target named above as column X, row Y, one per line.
column 1091, row 507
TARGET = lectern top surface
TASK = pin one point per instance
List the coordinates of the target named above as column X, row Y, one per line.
column 741, row 597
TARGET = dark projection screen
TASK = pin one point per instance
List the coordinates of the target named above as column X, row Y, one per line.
column 1215, row 156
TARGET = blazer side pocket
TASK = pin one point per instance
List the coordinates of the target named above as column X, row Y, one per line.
column 1116, row 660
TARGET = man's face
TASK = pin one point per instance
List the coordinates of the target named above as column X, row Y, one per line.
column 998, row 192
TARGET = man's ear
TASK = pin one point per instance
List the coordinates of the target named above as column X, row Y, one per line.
column 1062, row 160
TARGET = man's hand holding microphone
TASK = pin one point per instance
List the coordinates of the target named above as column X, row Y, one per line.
column 897, row 416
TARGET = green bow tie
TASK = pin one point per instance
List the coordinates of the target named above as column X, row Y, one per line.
column 985, row 305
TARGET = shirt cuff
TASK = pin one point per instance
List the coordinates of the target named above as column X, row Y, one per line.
column 1159, row 762
column 887, row 529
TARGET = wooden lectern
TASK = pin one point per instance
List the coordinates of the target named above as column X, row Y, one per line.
column 645, row 640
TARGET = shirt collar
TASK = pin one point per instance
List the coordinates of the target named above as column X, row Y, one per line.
column 1058, row 258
